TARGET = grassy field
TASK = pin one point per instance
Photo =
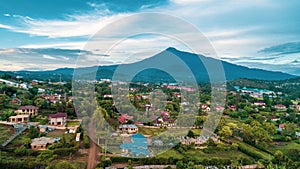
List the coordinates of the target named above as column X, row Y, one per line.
column 150, row 131
column 231, row 154
column 73, row 123
column 56, row 133
column 285, row 148
column 20, row 140
column 253, row 149
column 171, row 153
column 5, row 132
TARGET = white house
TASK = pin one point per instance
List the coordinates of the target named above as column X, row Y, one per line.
column 58, row 119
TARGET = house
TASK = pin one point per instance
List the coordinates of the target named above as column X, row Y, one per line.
column 261, row 104
column 41, row 90
column 27, row 110
column 124, row 118
column 232, row 107
column 78, row 136
column 72, row 129
column 205, row 107
column 274, row 118
column 130, row 128
column 281, row 127
column 220, row 108
column 198, row 140
column 41, row 143
column 165, row 114
column 107, row 96
column 280, row 107
column 19, row 119
column 58, row 119
column 297, row 134
column 295, row 107
column 16, row 101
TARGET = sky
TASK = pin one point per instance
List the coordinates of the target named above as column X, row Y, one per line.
column 49, row 34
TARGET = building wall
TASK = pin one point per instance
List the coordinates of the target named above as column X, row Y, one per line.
column 58, row 121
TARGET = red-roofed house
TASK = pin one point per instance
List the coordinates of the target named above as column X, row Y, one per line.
column 232, row 107
column 165, row 114
column 220, row 108
column 205, row 107
column 124, row 118
column 58, row 119
column 280, row 107
column 16, row 101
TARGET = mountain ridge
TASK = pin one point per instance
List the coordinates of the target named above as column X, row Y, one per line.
column 191, row 60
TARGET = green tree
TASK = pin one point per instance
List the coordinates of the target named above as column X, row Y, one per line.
column 4, row 100
column 20, row 151
column 46, row 156
column 6, row 114
column 191, row 134
column 62, row 165
column 40, row 102
column 180, row 165
column 33, row 132
column 225, row 132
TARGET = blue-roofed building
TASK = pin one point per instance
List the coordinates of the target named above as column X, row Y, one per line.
column 254, row 92
column 138, row 147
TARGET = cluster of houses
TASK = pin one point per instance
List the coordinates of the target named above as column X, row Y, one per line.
column 24, row 113
column 22, row 85
column 254, row 92
column 198, row 140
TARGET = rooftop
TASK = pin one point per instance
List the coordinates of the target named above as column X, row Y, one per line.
column 58, row 115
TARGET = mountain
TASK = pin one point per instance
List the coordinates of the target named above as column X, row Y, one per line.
column 174, row 64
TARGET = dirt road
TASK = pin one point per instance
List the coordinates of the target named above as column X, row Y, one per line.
column 92, row 158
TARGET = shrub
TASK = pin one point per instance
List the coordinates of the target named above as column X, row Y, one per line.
column 64, row 151
column 250, row 152
column 86, row 141
column 20, row 151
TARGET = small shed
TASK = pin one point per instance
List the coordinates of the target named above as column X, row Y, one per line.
column 78, row 136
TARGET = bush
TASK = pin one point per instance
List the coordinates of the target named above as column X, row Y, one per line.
column 64, row 151
column 250, row 152
column 86, row 141
column 288, row 139
column 104, row 164
column 20, row 151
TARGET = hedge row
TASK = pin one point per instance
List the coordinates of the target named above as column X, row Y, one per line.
column 252, row 153
column 64, row 151
column 165, row 161
column 20, row 164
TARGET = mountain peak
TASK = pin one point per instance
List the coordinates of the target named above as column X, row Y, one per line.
column 171, row 49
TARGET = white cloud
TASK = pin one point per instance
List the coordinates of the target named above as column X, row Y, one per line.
column 6, row 14
column 49, row 57
column 83, row 25
column 66, row 45
column 5, row 26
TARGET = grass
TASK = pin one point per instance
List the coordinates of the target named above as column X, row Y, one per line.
column 285, row 148
column 56, row 133
column 20, row 140
column 151, row 131
column 5, row 132
column 73, row 123
column 197, row 132
column 253, row 149
column 171, row 153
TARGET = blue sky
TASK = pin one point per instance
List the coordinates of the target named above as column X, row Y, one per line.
column 257, row 33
